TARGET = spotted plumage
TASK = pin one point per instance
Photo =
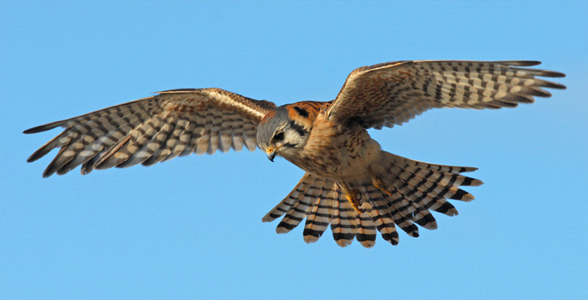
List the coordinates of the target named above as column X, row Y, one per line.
column 350, row 183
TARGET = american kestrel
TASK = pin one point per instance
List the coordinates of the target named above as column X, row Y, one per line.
column 350, row 182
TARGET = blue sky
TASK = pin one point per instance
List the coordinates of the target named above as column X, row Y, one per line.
column 191, row 227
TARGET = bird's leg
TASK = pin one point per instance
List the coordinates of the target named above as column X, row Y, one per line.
column 380, row 185
column 353, row 196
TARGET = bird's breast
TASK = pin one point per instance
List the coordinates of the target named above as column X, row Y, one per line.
column 337, row 151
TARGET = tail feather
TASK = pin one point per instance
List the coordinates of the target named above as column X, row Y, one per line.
column 400, row 209
column 346, row 230
column 366, row 230
column 320, row 213
column 299, row 209
column 432, row 167
column 292, row 198
column 426, row 188
column 402, row 193
column 366, row 233
column 435, row 183
column 381, row 214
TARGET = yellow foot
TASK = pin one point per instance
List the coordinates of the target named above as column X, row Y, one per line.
column 380, row 185
column 353, row 196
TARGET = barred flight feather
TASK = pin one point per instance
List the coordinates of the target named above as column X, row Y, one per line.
column 345, row 230
column 294, row 196
column 160, row 145
column 366, row 231
column 381, row 214
column 178, row 140
column 320, row 213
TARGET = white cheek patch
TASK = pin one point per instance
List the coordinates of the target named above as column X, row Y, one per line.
column 292, row 138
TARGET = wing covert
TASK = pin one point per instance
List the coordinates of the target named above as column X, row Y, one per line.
column 158, row 128
column 392, row 93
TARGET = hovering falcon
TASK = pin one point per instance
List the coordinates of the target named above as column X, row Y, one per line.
column 350, row 182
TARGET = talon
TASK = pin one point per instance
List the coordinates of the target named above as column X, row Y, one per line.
column 380, row 185
column 354, row 197
column 363, row 210
column 355, row 202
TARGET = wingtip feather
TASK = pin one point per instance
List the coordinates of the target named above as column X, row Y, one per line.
column 521, row 63
column 476, row 182
column 44, row 127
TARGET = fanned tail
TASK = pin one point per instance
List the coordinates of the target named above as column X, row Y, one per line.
column 407, row 190
column 322, row 202
column 401, row 192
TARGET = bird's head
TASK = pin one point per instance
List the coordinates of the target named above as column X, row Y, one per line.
column 282, row 132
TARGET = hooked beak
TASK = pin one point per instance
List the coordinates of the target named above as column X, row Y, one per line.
column 271, row 154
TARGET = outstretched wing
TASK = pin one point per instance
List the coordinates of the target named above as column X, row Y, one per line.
column 154, row 129
column 393, row 93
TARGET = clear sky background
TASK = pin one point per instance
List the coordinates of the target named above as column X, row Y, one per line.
column 191, row 228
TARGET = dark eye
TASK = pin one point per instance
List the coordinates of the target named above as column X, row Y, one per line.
column 279, row 136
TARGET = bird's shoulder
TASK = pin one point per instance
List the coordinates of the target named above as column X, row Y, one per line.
column 305, row 112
